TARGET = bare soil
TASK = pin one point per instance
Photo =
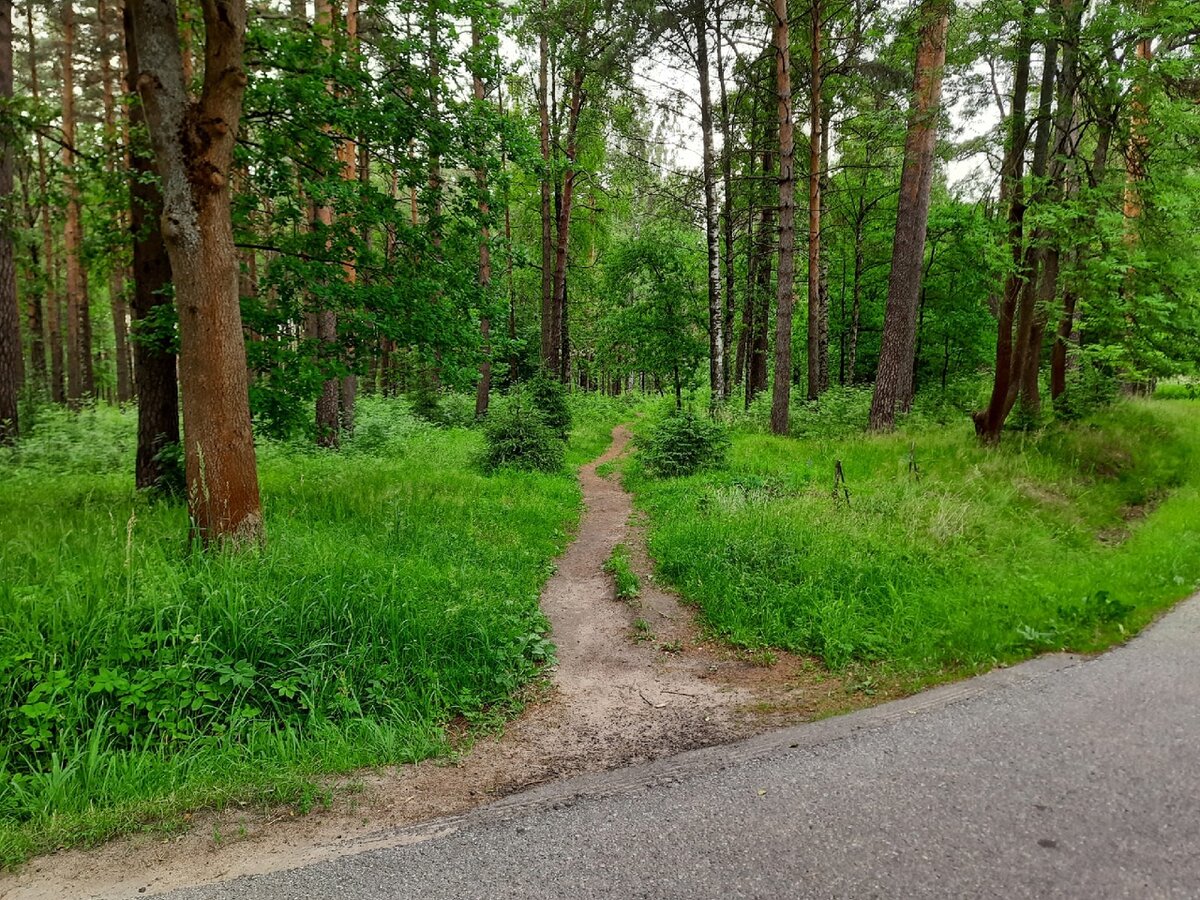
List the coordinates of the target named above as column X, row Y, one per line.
column 619, row 694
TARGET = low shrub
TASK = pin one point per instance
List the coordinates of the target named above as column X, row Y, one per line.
column 1088, row 389
column 683, row 444
column 549, row 397
column 518, row 437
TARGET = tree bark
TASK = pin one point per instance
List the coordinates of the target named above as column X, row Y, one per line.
column 323, row 321
column 564, row 221
column 10, row 317
column 757, row 375
column 551, row 340
column 80, row 376
column 153, row 361
column 727, row 207
column 785, row 287
column 893, row 383
column 990, row 421
column 814, row 206
column 53, row 305
column 716, row 315
column 484, row 387
column 116, row 274
column 193, row 148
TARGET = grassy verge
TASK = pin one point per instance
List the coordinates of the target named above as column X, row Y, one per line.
column 398, row 589
column 945, row 556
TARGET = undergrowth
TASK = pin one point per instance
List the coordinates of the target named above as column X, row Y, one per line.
column 398, row 589
column 936, row 553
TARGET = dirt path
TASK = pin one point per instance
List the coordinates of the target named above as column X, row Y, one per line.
column 619, row 697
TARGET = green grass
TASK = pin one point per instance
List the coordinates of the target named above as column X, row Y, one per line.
column 980, row 556
column 620, row 567
column 398, row 589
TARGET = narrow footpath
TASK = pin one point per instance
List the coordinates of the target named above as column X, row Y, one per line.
column 618, row 696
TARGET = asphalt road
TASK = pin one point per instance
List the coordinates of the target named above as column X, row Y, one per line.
column 1058, row 778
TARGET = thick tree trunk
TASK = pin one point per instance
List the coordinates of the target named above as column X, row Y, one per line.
column 716, row 315
column 153, row 363
column 785, row 287
column 814, row 206
column 551, row 339
column 193, row 148
column 484, row 388
column 80, row 376
column 10, row 318
column 893, row 384
column 990, row 421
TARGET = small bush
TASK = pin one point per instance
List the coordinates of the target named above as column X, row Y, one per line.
column 549, row 397
column 426, row 404
column 518, row 437
column 1088, row 389
column 683, row 444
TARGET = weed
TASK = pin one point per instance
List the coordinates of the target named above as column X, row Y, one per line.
column 620, row 566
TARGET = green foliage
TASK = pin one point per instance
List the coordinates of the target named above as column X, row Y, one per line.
column 953, row 567
column 1088, row 390
column 518, row 437
column 549, row 397
column 683, row 444
column 620, row 567
column 398, row 589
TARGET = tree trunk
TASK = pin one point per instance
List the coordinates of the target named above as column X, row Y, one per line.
column 727, row 206
column 484, row 388
column 564, row 222
column 80, row 377
column 756, row 380
column 193, row 148
column 10, row 318
column 990, row 421
column 323, row 322
column 784, row 299
column 348, row 153
column 153, row 361
column 551, row 340
column 856, row 303
column 716, row 315
column 893, row 383
column 823, row 290
column 1031, row 317
column 53, row 307
column 116, row 274
column 814, row 207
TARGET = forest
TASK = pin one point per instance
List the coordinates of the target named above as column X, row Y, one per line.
column 311, row 313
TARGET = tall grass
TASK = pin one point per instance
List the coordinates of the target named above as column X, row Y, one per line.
column 398, row 589
column 946, row 555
